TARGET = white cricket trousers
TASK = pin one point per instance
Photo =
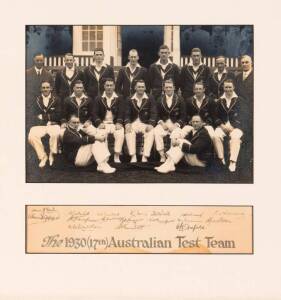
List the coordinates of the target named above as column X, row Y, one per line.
column 234, row 142
column 119, row 136
column 160, row 133
column 87, row 154
column 35, row 135
column 139, row 127
column 176, row 155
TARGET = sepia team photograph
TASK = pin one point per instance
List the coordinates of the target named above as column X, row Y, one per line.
column 139, row 103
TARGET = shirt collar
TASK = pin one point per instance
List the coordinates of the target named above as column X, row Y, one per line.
column 70, row 69
column 38, row 70
column 234, row 95
column 114, row 95
column 137, row 65
column 223, row 72
column 48, row 97
column 103, row 64
column 169, row 97
column 197, row 99
column 158, row 62
column 73, row 95
column 191, row 64
column 144, row 96
column 247, row 72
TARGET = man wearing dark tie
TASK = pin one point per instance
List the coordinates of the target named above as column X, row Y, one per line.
column 66, row 77
column 218, row 77
column 163, row 69
column 129, row 74
column 194, row 72
column 95, row 74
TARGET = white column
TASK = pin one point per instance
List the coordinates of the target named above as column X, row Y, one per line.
column 77, row 40
column 110, row 43
column 172, row 40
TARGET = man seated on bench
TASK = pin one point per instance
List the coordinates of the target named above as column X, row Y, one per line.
column 83, row 149
column 196, row 148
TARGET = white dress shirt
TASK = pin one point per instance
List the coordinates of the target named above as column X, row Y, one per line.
column 46, row 100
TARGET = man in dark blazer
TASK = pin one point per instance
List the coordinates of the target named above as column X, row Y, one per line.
column 195, row 71
column 34, row 77
column 229, row 121
column 95, row 74
column 196, row 148
column 129, row 74
column 80, row 105
column 140, row 117
column 163, row 69
column 217, row 78
column 171, row 116
column 66, row 77
column 45, row 121
column 108, row 116
column 82, row 149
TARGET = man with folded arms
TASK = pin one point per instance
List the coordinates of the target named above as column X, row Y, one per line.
column 171, row 115
column 108, row 116
column 196, row 148
column 82, row 149
column 129, row 74
column 140, row 117
column 163, row 69
column 229, row 122
column 45, row 121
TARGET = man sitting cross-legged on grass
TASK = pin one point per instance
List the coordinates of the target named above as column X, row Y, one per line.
column 82, row 149
column 196, row 148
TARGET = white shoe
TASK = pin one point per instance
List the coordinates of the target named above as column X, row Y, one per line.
column 133, row 159
column 162, row 159
column 166, row 168
column 144, row 159
column 232, row 166
column 105, row 168
column 117, row 158
column 51, row 159
column 43, row 162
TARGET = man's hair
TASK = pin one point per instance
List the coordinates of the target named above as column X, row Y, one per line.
column 108, row 79
column 139, row 80
column 98, row 50
column 69, row 54
column 164, row 47
column 197, row 115
column 38, row 54
column 196, row 50
column 246, row 56
column 221, row 56
column 229, row 81
column 199, row 83
column 134, row 50
column 46, row 81
column 72, row 116
column 169, row 80
column 78, row 82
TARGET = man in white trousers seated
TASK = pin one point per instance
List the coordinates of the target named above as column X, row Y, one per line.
column 82, row 149
column 229, row 122
column 140, row 117
column 45, row 120
column 171, row 115
column 108, row 116
column 196, row 148
column 80, row 105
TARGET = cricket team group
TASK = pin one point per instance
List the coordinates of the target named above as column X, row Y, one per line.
column 195, row 107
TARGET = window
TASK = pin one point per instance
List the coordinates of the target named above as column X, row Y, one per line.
column 92, row 37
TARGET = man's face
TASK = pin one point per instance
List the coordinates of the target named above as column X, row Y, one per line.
column 99, row 56
column 228, row 88
column 246, row 63
column 109, row 87
column 196, row 122
column 164, row 54
column 69, row 61
column 133, row 58
column 220, row 64
column 199, row 90
column 74, row 122
column 78, row 89
column 39, row 61
column 196, row 58
column 46, row 89
column 140, row 88
column 169, row 89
